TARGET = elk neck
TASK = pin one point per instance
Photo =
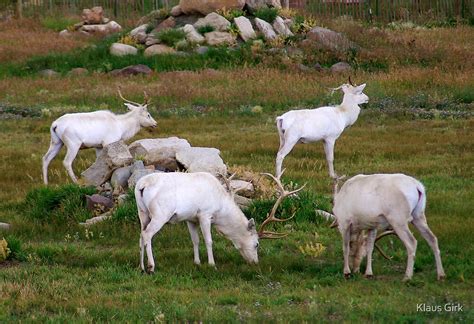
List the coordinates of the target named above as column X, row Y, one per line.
column 129, row 124
column 232, row 223
column 349, row 111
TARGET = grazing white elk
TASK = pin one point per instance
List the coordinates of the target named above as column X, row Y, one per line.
column 199, row 199
column 377, row 202
column 325, row 123
column 94, row 130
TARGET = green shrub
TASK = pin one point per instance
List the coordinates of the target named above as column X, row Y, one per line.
column 205, row 29
column 230, row 14
column 171, row 36
column 62, row 203
column 127, row 211
column 267, row 14
column 16, row 250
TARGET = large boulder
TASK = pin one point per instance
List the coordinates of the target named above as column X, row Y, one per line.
column 245, row 28
column 176, row 11
column 138, row 171
column 159, row 151
column 207, row 6
column 257, row 4
column 265, row 28
column 112, row 156
column 341, row 67
column 158, row 49
column 92, row 16
column 281, row 28
column 168, row 23
column 202, row 159
column 119, row 49
column 192, row 35
column 104, row 29
column 243, row 188
column 215, row 20
column 99, row 203
column 140, row 33
column 120, row 177
column 329, row 39
column 219, row 38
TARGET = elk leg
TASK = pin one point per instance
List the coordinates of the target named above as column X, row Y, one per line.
column 371, row 235
column 282, row 153
column 72, row 149
column 193, row 231
column 53, row 150
column 329, row 150
column 205, row 223
column 147, row 235
column 410, row 243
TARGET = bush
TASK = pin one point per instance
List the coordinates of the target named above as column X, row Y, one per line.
column 171, row 36
column 205, row 29
column 127, row 211
column 58, row 204
column 15, row 251
column 230, row 14
column 267, row 14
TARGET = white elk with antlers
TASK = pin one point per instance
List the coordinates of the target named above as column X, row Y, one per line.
column 198, row 199
column 377, row 202
column 94, row 130
column 325, row 123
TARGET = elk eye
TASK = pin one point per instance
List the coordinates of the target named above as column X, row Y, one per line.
column 256, row 245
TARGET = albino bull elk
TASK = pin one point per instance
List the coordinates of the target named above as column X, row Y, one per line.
column 94, row 130
column 325, row 123
column 199, row 199
column 377, row 202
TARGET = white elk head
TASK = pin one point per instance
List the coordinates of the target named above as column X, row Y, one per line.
column 141, row 110
column 353, row 94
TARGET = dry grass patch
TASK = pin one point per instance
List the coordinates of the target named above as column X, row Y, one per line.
column 23, row 39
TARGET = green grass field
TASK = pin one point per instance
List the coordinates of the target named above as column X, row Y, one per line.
column 418, row 122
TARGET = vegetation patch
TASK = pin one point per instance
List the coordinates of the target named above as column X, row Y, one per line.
column 171, row 36
column 59, row 204
column 266, row 13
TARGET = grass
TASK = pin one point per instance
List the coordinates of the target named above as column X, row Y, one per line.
column 418, row 121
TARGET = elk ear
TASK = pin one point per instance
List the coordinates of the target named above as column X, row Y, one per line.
column 251, row 224
column 360, row 88
column 130, row 106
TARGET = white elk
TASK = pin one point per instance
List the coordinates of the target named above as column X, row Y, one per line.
column 377, row 202
column 94, row 130
column 325, row 123
column 199, row 199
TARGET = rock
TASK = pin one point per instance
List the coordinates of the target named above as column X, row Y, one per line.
column 120, row 177
column 243, row 188
column 245, row 28
column 192, row 35
column 207, row 6
column 151, row 40
column 265, row 28
column 93, row 16
column 202, row 50
column 137, row 174
column 111, row 157
column 105, row 29
column 201, row 159
column 65, row 33
column 138, row 30
column 96, row 201
column 5, row 226
column 132, row 70
column 215, row 20
column 281, row 28
column 303, row 68
column 257, row 4
column 176, row 11
column 159, row 151
column 165, row 24
column 318, row 67
column 341, row 67
column 158, row 49
column 121, row 199
column 97, row 219
column 77, row 26
column 78, row 72
column 329, row 39
column 242, row 202
column 48, row 73
column 219, row 38
column 119, row 49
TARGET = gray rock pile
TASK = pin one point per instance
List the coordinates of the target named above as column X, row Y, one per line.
column 93, row 22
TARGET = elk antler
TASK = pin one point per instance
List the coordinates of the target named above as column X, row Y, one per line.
column 126, row 100
column 271, row 216
column 147, row 98
column 350, row 82
column 390, row 232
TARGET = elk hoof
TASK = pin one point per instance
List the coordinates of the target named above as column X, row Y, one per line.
column 369, row 276
column 347, row 275
column 150, row 270
column 406, row 279
column 441, row 277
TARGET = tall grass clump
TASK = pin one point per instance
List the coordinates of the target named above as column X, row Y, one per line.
column 15, row 248
column 58, row 204
column 205, row 29
column 127, row 211
column 171, row 36
column 267, row 14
